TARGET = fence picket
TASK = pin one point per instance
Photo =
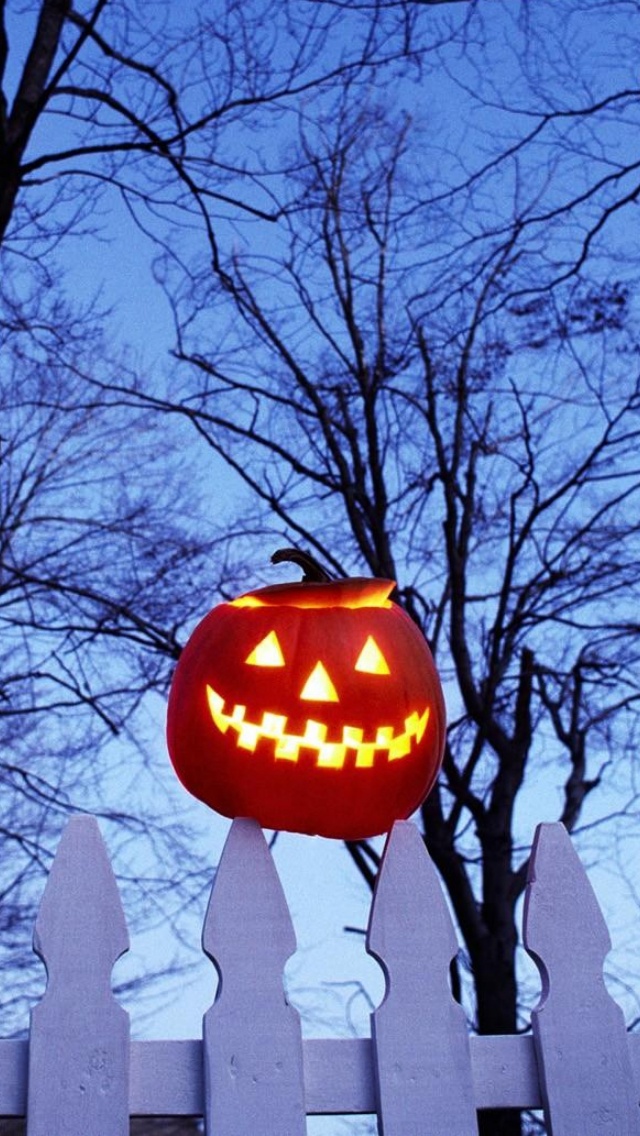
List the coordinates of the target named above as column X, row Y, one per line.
column 79, row 1076
column 421, row 1043
column 581, row 1043
column 79, row 1046
column 253, row 1070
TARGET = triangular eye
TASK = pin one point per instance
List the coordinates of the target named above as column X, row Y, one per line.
column 267, row 653
column 371, row 660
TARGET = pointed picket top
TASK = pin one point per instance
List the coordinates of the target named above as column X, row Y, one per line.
column 559, row 896
column 579, row 1032
column 80, row 925
column 420, row 1033
column 79, row 1047
column 247, row 894
column 252, row 1038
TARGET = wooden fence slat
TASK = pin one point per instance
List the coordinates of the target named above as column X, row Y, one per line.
column 78, row 1081
column 421, row 1043
column 338, row 1076
column 167, row 1076
column 257, row 1075
column 252, row 1040
column 582, row 1048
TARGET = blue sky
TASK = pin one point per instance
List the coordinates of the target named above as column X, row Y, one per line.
column 323, row 888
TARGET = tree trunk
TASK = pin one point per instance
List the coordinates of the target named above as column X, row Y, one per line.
column 496, row 992
column 9, row 187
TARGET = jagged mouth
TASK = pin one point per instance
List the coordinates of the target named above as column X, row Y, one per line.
column 387, row 745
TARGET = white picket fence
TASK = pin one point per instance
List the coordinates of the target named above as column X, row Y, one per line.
column 252, row 1074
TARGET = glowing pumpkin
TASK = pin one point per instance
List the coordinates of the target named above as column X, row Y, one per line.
column 313, row 707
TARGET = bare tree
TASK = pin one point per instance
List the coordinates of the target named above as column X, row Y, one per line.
column 481, row 451
column 165, row 114
column 99, row 570
column 427, row 370
column 164, row 105
column 551, row 139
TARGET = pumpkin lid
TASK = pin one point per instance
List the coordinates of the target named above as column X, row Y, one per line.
column 358, row 591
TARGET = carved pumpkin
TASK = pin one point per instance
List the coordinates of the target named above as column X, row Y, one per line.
column 313, row 707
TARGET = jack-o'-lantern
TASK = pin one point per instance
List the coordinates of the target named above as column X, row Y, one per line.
column 312, row 707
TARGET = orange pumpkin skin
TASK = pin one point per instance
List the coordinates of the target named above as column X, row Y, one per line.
column 312, row 707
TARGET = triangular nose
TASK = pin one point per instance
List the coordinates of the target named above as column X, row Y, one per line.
column 319, row 687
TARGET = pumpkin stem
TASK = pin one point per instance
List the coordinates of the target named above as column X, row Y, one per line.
column 313, row 572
